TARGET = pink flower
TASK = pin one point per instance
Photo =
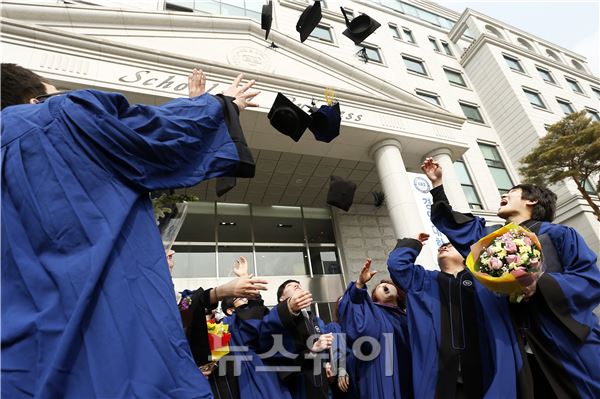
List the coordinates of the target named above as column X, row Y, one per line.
column 534, row 263
column 513, row 259
column 511, row 247
column 490, row 250
column 528, row 241
column 495, row 263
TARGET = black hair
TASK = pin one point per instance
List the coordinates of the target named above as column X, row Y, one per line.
column 282, row 287
column 19, row 85
column 545, row 209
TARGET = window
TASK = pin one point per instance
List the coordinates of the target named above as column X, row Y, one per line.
column 467, row 184
column 593, row 114
column 514, row 63
column 409, row 36
column 589, row 188
column 546, row 75
column 414, row 65
column 370, row 53
column 496, row 167
column 428, row 96
column 322, row 33
column 597, row 91
column 395, row 31
column 471, row 112
column 247, row 8
column 566, row 106
column 574, row 85
column 534, row 98
column 455, row 77
column 434, row 44
column 446, row 48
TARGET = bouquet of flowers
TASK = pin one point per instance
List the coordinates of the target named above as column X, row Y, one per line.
column 218, row 339
column 507, row 260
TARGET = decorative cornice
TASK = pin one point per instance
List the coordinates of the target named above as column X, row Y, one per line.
column 491, row 39
column 392, row 98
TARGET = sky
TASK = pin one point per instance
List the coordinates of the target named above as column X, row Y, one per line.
column 574, row 25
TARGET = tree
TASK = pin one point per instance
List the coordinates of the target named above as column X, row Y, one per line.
column 571, row 149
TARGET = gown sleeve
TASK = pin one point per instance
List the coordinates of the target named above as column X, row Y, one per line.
column 177, row 144
column 358, row 314
column 462, row 229
column 573, row 294
column 401, row 265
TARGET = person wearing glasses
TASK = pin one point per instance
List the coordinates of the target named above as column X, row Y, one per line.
column 88, row 307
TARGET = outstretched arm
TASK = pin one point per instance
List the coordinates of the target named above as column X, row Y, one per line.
column 462, row 229
column 401, row 263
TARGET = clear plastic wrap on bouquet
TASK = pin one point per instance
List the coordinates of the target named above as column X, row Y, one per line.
column 507, row 260
column 170, row 225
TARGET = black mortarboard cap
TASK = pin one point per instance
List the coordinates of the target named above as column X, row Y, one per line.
column 326, row 121
column 341, row 193
column 309, row 19
column 224, row 184
column 266, row 18
column 360, row 27
column 288, row 118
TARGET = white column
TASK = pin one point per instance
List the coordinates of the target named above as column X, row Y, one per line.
column 400, row 201
column 452, row 186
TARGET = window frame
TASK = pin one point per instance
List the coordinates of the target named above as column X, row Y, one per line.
column 496, row 164
column 476, row 107
column 596, row 91
column 407, row 33
column 324, row 27
column 542, row 70
column 471, row 185
column 415, row 60
column 592, row 111
column 426, row 93
column 508, row 58
column 574, row 82
column 562, row 102
column 447, row 48
column 459, row 73
column 434, row 44
column 375, row 48
column 529, row 90
column 394, row 28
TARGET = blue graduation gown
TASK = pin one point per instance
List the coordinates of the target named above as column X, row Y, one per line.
column 498, row 344
column 88, row 307
column 284, row 346
column 343, row 358
column 254, row 381
column 565, row 298
column 387, row 325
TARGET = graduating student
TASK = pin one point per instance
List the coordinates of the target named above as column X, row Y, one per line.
column 88, row 307
column 244, row 318
column 558, row 332
column 297, row 343
column 383, row 319
column 460, row 336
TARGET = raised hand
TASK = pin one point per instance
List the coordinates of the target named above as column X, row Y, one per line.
column 242, row 287
column 300, row 300
column 240, row 93
column 365, row 274
column 422, row 237
column 240, row 267
column 196, row 83
column 324, row 342
column 433, row 170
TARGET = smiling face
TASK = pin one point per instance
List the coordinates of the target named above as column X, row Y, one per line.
column 513, row 205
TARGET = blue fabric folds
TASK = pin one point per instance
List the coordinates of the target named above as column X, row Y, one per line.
column 88, row 307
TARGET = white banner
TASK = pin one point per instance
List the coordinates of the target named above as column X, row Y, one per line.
column 420, row 186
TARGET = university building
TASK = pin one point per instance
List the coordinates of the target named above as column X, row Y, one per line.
column 468, row 90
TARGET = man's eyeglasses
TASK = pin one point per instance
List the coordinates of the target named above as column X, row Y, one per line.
column 44, row 97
